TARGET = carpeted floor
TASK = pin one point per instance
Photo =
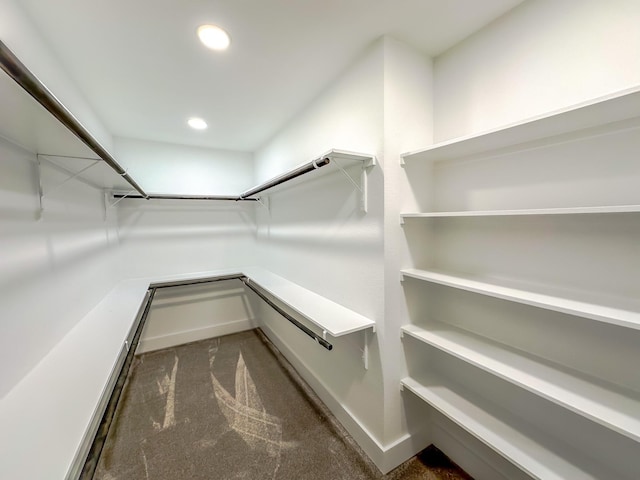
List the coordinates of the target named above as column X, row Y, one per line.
column 233, row 408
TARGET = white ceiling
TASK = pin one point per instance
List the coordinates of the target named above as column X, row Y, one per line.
column 141, row 67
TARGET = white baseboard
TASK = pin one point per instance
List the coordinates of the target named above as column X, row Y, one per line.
column 385, row 457
column 179, row 338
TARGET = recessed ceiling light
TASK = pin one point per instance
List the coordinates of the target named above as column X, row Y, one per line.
column 213, row 37
column 197, row 123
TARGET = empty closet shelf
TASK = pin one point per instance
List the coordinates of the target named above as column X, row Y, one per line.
column 592, row 117
column 527, row 211
column 538, row 454
column 331, row 317
column 617, row 311
column 602, row 403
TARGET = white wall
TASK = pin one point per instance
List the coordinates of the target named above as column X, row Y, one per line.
column 53, row 270
column 181, row 169
column 160, row 237
column 408, row 107
column 190, row 313
column 541, row 56
column 315, row 235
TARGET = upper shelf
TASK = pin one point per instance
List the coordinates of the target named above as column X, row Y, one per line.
column 339, row 158
column 41, row 125
column 527, row 211
column 591, row 117
column 326, row 314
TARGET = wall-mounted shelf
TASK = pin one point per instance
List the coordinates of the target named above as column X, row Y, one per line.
column 329, row 316
column 589, row 397
column 105, row 334
column 528, row 211
column 336, row 158
column 592, row 117
column 57, row 131
column 60, row 138
column 537, row 453
column 616, row 311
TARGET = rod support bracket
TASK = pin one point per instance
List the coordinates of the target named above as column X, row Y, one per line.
column 365, row 351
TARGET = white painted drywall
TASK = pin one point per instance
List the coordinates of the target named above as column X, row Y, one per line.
column 54, row 270
column 314, row 235
column 187, row 314
column 408, row 110
column 539, row 57
column 160, row 237
column 186, row 170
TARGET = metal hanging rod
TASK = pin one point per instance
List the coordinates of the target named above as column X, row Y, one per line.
column 308, row 331
column 198, row 281
column 91, row 461
column 248, row 282
column 245, row 196
column 306, row 168
column 153, row 196
column 34, row 87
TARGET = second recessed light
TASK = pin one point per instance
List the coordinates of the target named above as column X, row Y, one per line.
column 197, row 123
column 213, row 37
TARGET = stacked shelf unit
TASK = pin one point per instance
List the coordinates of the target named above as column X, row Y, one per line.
column 525, row 294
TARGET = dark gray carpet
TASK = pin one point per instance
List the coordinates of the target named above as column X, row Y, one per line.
column 233, row 408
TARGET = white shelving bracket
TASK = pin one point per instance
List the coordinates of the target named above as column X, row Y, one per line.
column 265, row 202
column 40, row 192
column 365, row 347
column 368, row 161
column 68, row 179
column 109, row 205
column 71, row 176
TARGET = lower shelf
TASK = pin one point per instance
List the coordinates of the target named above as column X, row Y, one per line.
column 602, row 403
column 536, row 453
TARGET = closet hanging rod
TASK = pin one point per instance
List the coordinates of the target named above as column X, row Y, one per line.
column 34, row 87
column 308, row 331
column 198, row 281
column 153, row 196
column 247, row 281
column 306, row 168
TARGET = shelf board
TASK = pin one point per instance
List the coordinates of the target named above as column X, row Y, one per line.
column 538, row 454
column 616, row 311
column 596, row 113
column 528, row 211
column 590, row 398
column 326, row 314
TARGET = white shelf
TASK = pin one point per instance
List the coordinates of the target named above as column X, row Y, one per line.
column 326, row 314
column 600, row 112
column 572, row 390
column 616, row 311
column 83, row 360
column 33, row 129
column 528, row 211
column 539, row 455
column 47, row 413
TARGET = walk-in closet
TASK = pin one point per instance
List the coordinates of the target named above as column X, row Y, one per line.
column 357, row 239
